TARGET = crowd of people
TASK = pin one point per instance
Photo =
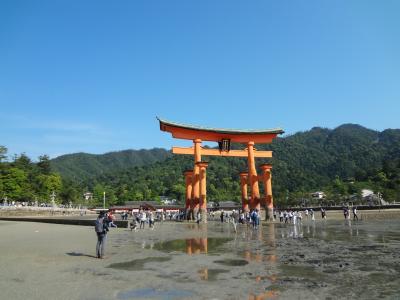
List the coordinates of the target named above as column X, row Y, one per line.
column 346, row 213
column 251, row 218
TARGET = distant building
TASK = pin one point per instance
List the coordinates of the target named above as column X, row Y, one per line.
column 366, row 193
column 169, row 201
column 318, row 195
column 371, row 198
column 152, row 205
column 88, row 196
column 227, row 205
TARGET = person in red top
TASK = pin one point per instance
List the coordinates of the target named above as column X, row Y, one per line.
column 111, row 219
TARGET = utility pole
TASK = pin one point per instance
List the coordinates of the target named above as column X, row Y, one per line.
column 104, row 200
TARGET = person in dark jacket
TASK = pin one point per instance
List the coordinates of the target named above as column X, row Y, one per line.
column 101, row 228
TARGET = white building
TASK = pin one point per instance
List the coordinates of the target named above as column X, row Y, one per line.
column 318, row 195
column 366, row 193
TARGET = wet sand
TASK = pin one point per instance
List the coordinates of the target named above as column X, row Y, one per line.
column 322, row 260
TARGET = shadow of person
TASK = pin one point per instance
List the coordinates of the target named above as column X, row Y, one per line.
column 79, row 254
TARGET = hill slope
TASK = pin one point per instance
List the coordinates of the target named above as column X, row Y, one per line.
column 81, row 166
column 307, row 161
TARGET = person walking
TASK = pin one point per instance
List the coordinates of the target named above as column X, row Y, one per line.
column 101, row 228
column 111, row 219
column 323, row 213
column 312, row 214
column 355, row 213
column 143, row 219
column 234, row 219
column 151, row 220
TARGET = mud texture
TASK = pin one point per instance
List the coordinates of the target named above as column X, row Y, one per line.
column 332, row 259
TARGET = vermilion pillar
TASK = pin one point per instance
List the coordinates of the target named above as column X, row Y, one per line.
column 203, row 190
column 188, row 179
column 196, row 178
column 266, row 176
column 243, row 186
column 253, row 178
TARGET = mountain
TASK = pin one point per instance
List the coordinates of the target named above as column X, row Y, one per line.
column 340, row 161
column 80, row 166
column 313, row 158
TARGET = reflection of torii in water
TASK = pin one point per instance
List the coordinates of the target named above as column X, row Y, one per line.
column 196, row 179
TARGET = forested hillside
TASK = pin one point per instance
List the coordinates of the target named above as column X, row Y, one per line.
column 80, row 166
column 339, row 162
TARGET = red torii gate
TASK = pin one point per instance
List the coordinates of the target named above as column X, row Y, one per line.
column 196, row 199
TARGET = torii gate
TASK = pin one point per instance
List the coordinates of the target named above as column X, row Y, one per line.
column 196, row 199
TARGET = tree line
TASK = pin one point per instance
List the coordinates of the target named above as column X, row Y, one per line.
column 340, row 162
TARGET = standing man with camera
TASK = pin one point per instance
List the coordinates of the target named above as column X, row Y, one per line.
column 101, row 228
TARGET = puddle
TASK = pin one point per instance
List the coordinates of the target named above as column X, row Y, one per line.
column 232, row 262
column 192, row 246
column 270, row 294
column 210, row 274
column 154, row 294
column 138, row 264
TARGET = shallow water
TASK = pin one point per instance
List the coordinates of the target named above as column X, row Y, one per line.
column 154, row 294
column 325, row 259
column 138, row 264
column 192, row 246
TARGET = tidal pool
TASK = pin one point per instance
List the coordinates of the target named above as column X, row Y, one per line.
column 154, row 294
column 138, row 264
column 192, row 245
column 314, row 260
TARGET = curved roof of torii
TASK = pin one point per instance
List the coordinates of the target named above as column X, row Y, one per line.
column 190, row 132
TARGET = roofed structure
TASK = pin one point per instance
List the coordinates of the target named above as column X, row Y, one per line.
column 185, row 131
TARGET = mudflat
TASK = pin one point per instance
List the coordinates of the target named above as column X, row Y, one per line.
column 325, row 259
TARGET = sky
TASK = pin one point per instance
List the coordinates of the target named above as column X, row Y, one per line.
column 91, row 76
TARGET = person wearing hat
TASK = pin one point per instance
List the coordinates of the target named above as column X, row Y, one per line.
column 101, row 228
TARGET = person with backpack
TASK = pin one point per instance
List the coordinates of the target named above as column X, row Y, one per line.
column 101, row 228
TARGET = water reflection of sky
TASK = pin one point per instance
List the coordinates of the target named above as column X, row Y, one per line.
column 328, row 253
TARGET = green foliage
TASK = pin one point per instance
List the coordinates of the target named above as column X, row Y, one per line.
column 101, row 193
column 70, row 194
column 23, row 180
column 44, row 165
column 47, row 184
column 15, row 184
column 341, row 162
column 80, row 166
column 3, row 153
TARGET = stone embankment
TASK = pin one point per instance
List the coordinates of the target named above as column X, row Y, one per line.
column 9, row 211
column 55, row 216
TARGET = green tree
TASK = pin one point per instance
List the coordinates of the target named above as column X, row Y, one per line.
column 70, row 194
column 3, row 154
column 15, row 185
column 98, row 195
column 44, row 164
column 47, row 185
column 179, row 191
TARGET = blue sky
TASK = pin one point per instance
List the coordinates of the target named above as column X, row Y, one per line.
column 92, row 76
